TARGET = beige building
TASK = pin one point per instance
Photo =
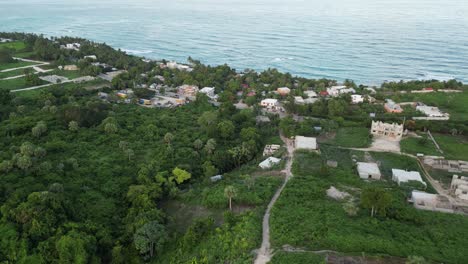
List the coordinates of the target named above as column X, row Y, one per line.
column 392, row 131
column 459, row 187
column 270, row 149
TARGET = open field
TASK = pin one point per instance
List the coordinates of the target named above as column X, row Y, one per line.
column 16, row 64
column 453, row 103
column 11, row 73
column 352, row 137
column 454, row 147
column 16, row 45
column 67, row 74
column 304, row 217
column 14, row 84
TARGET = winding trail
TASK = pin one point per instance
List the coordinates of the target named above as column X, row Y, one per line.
column 265, row 253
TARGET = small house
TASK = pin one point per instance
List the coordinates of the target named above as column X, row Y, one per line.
column 391, row 107
column 216, row 178
column 430, row 202
column 269, row 163
column 402, row 176
column 283, row 91
column 368, row 170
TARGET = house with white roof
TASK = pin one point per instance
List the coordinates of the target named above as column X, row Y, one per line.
column 357, row 99
column 336, row 91
column 210, row 92
column 269, row 163
column 402, row 176
column 430, row 202
column 432, row 111
column 369, row 170
column 307, row 143
column 269, row 103
column 311, row 94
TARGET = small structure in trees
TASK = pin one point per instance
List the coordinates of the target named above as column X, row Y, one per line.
column 268, row 163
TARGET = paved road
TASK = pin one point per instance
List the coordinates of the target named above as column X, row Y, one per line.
column 264, row 254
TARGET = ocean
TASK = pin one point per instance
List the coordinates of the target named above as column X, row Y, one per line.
column 369, row 41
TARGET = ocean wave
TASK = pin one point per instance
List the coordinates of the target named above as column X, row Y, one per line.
column 137, row 52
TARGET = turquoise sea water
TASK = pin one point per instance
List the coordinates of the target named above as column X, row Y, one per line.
column 366, row 40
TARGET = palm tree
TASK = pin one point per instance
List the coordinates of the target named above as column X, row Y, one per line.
column 230, row 192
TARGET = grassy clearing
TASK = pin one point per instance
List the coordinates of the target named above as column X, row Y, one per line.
column 11, row 73
column 418, row 145
column 453, row 103
column 68, row 74
column 305, row 217
column 297, row 257
column 16, row 45
column 16, row 64
column 14, row 84
column 454, row 147
column 352, row 137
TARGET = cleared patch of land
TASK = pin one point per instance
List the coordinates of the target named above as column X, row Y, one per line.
column 454, row 147
column 352, row 137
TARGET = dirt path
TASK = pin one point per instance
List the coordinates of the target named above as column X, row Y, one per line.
column 39, row 63
column 264, row 253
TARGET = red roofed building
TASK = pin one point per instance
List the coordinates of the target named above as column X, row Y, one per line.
column 323, row 93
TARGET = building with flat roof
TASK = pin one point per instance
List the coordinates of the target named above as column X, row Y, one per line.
column 308, row 143
column 369, row 170
column 283, row 91
column 269, row 163
column 430, row 202
column 402, row 176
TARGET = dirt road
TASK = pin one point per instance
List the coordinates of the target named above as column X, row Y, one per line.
column 264, row 253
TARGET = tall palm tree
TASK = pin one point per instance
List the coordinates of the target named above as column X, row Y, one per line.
column 230, row 192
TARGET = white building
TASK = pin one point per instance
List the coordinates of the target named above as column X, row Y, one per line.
column 93, row 57
column 339, row 90
column 269, row 103
column 311, row 94
column 308, row 143
column 459, row 187
column 391, row 107
column 402, row 176
column 368, row 170
column 269, row 163
column 71, row 46
column 392, row 131
column 210, row 92
column 357, row 99
column 431, row 202
column 431, row 111
column 299, row 100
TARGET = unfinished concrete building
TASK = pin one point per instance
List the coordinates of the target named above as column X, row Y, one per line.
column 440, row 163
column 391, row 131
column 430, row 202
column 459, row 187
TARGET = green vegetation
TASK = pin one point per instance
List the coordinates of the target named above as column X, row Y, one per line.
column 15, row 64
column 11, row 73
column 453, row 146
column 18, row 83
column 15, row 45
column 352, row 137
column 318, row 222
